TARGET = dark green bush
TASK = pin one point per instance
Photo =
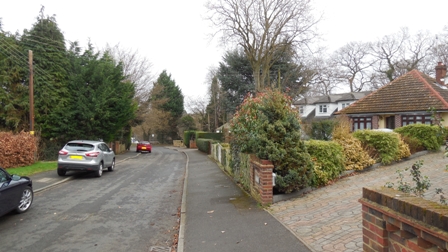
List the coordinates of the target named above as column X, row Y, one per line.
column 430, row 137
column 204, row 144
column 267, row 126
column 386, row 144
column 210, row 135
column 322, row 130
column 328, row 159
column 187, row 137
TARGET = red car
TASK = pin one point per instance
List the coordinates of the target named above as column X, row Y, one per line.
column 144, row 146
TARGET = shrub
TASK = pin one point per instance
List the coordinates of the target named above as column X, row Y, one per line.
column 267, row 126
column 356, row 158
column 11, row 155
column 187, row 137
column 328, row 159
column 204, row 144
column 413, row 143
column 388, row 145
column 322, row 130
column 429, row 136
column 210, row 135
column 240, row 164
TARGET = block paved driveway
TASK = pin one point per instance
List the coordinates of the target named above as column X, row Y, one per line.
column 329, row 218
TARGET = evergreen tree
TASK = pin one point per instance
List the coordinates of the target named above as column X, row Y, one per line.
column 173, row 103
column 236, row 78
column 50, row 63
column 101, row 102
column 14, row 98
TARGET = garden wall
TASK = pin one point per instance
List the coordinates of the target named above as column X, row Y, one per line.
column 253, row 175
column 394, row 221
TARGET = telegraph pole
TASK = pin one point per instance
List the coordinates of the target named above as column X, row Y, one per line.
column 30, row 62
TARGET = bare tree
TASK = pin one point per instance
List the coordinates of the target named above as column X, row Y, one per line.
column 263, row 28
column 417, row 54
column 136, row 68
column 197, row 108
column 353, row 62
column 387, row 51
column 439, row 52
column 324, row 81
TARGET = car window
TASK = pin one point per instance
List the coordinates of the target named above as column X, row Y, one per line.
column 79, row 147
column 3, row 176
column 103, row 147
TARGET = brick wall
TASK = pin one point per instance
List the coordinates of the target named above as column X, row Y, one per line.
column 261, row 187
column 393, row 221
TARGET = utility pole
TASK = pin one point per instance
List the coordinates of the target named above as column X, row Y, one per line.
column 30, row 62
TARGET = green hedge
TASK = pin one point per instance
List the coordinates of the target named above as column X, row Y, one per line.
column 328, row 159
column 210, row 135
column 187, row 137
column 204, row 144
column 385, row 144
column 430, row 137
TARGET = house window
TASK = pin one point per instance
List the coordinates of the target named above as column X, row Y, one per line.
column 415, row 119
column 322, row 109
column 360, row 123
column 345, row 104
column 301, row 109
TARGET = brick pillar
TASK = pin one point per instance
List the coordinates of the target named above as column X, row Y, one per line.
column 375, row 122
column 261, row 186
column 397, row 121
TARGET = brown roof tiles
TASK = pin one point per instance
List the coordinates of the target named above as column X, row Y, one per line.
column 413, row 91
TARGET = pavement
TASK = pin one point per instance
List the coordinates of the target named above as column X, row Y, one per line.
column 216, row 215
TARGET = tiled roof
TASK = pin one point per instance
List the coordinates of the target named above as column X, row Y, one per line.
column 413, row 91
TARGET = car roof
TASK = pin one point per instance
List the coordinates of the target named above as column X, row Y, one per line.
column 85, row 141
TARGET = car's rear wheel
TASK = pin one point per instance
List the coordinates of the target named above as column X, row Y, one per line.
column 100, row 170
column 149, row 151
column 112, row 167
column 61, row 172
column 26, row 200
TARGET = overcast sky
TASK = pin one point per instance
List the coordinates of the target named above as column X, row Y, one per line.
column 172, row 34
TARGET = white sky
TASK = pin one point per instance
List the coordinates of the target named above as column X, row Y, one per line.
column 172, row 34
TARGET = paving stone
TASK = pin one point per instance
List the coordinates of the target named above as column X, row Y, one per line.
column 330, row 219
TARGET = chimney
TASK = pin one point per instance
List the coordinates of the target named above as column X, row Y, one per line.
column 440, row 73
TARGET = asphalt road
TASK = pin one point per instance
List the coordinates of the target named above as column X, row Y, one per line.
column 133, row 208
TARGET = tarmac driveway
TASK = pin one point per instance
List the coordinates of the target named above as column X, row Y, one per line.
column 329, row 218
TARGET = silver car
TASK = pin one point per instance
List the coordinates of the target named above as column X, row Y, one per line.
column 85, row 155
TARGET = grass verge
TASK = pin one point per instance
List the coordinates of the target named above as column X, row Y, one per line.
column 34, row 168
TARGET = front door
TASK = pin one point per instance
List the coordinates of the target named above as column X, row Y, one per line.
column 390, row 122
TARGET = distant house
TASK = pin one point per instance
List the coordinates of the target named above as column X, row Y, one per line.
column 404, row 101
column 324, row 107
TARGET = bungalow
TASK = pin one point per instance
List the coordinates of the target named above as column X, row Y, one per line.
column 406, row 100
column 324, row 107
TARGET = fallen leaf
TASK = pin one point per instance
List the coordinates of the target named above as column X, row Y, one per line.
column 212, row 211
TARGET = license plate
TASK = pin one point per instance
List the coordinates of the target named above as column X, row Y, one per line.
column 143, row 148
column 76, row 157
